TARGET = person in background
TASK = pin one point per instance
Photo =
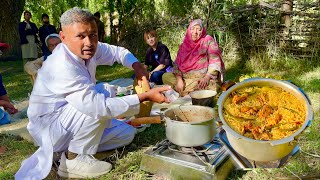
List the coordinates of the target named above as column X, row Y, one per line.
column 28, row 38
column 198, row 64
column 44, row 31
column 67, row 114
column 6, row 104
column 100, row 25
column 158, row 58
column 32, row 67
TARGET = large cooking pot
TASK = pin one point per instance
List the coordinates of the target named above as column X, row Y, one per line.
column 259, row 150
column 188, row 126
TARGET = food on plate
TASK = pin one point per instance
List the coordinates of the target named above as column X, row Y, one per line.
column 264, row 112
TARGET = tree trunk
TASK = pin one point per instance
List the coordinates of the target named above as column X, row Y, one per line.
column 287, row 7
column 10, row 15
column 112, row 28
column 120, row 9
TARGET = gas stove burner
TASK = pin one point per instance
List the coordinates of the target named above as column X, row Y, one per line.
column 244, row 163
column 205, row 149
column 163, row 143
column 188, row 150
column 168, row 158
column 198, row 150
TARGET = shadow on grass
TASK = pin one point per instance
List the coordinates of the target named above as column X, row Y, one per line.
column 153, row 134
column 237, row 174
column 236, row 70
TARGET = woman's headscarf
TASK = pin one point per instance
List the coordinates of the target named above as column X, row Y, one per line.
column 190, row 51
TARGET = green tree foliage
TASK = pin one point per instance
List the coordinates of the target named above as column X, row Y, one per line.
column 179, row 7
column 54, row 8
column 126, row 20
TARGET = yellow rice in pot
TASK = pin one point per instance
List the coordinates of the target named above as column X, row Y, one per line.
column 263, row 113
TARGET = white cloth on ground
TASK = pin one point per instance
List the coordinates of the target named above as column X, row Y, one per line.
column 65, row 110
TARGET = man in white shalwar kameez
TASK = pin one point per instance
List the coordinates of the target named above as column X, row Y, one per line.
column 66, row 113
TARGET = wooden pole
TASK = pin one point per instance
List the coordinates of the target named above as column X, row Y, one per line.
column 286, row 20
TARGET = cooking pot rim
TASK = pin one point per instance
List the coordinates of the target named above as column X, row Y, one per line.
column 228, row 129
column 189, row 106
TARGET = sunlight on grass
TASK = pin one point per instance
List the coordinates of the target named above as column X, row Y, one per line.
column 17, row 150
column 311, row 78
column 109, row 73
column 128, row 167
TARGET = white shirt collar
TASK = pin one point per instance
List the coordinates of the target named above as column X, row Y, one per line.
column 73, row 55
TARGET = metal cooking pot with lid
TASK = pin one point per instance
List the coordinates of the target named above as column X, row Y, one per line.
column 259, row 150
column 190, row 125
column 187, row 126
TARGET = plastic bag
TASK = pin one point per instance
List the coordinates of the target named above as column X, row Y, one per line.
column 171, row 94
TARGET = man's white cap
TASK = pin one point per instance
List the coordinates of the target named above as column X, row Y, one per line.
column 50, row 36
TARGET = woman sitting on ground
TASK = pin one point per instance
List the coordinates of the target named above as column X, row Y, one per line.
column 158, row 57
column 198, row 64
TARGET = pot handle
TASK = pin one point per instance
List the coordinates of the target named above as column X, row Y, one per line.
column 146, row 120
column 224, row 87
column 227, row 84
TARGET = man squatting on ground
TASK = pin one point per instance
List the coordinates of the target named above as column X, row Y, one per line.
column 65, row 111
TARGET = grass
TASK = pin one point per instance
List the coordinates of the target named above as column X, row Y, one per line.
column 305, row 73
column 17, row 150
column 17, row 83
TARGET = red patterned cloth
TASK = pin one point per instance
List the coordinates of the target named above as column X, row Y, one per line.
column 4, row 46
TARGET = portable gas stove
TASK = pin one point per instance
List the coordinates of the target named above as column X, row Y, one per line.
column 209, row 161
column 204, row 162
column 243, row 163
